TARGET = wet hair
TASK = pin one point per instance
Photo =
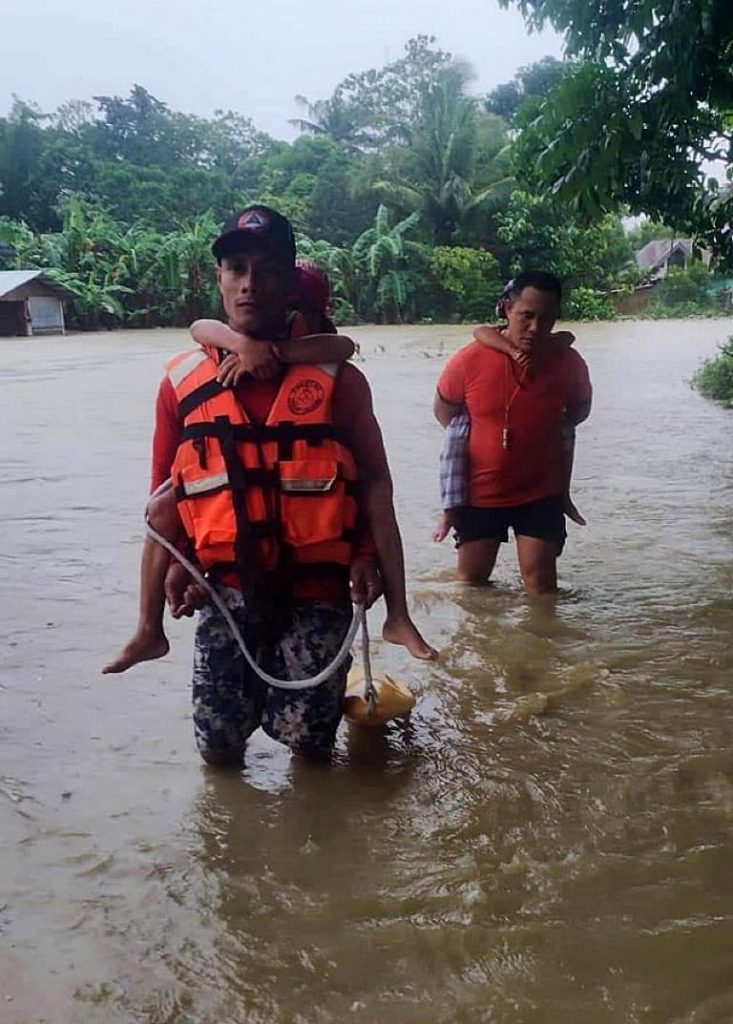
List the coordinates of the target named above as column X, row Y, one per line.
column 539, row 279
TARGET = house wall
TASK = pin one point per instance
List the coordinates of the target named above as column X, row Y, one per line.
column 47, row 314
column 13, row 320
column 44, row 307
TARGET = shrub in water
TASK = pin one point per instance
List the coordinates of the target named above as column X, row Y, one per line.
column 588, row 304
column 714, row 379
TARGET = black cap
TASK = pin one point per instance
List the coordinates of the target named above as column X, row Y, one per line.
column 257, row 222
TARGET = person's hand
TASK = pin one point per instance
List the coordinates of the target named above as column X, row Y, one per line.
column 572, row 512
column 522, row 358
column 249, row 356
column 183, row 594
column 445, row 524
column 365, row 582
column 231, row 370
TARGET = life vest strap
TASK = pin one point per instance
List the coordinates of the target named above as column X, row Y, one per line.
column 287, row 431
column 202, row 394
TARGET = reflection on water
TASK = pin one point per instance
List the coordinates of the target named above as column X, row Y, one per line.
column 547, row 839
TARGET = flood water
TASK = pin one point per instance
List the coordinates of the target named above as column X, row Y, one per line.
column 549, row 838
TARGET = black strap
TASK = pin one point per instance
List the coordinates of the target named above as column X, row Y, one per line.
column 287, row 433
column 202, row 394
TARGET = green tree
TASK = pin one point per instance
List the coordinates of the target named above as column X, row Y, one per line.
column 97, row 299
column 469, row 279
column 540, row 236
column 685, row 290
column 343, row 121
column 534, row 82
column 383, row 255
column 338, row 263
column 649, row 230
column 436, row 173
column 637, row 121
column 183, row 265
column 23, row 190
column 342, row 203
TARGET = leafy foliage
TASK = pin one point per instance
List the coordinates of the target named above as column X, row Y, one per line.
column 415, row 198
column 634, row 123
column 531, row 84
column 435, row 175
column 588, row 304
column 382, row 255
column 469, row 279
column 714, row 379
column 542, row 236
column 685, row 292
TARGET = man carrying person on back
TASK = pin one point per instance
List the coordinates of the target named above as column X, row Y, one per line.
column 279, row 483
column 518, row 465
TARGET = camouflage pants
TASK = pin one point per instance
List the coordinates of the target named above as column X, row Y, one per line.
column 230, row 701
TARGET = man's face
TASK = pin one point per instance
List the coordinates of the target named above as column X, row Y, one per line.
column 531, row 317
column 254, row 288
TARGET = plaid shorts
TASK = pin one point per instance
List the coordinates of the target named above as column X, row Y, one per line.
column 230, row 701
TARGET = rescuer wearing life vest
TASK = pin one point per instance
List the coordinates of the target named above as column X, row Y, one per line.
column 279, row 484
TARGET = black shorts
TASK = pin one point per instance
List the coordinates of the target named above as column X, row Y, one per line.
column 544, row 519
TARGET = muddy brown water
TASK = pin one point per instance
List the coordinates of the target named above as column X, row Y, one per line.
column 549, row 839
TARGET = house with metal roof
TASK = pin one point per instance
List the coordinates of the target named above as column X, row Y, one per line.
column 657, row 256
column 31, row 303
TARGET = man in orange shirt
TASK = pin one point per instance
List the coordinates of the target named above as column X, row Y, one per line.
column 518, row 468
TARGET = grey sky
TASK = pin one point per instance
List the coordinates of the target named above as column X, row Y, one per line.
column 254, row 58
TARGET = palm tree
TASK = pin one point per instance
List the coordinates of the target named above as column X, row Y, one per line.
column 438, row 168
column 383, row 254
column 337, row 119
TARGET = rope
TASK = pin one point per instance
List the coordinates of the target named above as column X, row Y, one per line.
column 359, row 618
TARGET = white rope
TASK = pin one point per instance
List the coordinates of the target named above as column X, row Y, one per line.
column 358, row 619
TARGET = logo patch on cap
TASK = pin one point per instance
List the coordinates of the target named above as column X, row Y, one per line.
column 254, row 220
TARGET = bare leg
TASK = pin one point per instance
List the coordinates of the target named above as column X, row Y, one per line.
column 398, row 626
column 149, row 641
column 571, row 510
column 476, row 561
column 538, row 565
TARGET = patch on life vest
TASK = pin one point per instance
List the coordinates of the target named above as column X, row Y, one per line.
column 305, row 397
column 254, row 220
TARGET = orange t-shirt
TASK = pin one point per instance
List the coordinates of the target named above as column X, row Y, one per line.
column 499, row 395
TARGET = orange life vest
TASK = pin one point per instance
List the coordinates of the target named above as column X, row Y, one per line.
column 275, row 490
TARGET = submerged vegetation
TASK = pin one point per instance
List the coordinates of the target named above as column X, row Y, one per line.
column 418, row 197
column 714, row 379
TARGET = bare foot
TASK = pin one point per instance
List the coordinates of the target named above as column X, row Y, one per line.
column 572, row 513
column 403, row 631
column 142, row 647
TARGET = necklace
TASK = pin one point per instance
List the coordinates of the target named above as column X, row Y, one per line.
column 508, row 402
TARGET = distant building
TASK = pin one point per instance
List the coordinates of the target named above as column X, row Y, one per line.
column 659, row 255
column 31, row 303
